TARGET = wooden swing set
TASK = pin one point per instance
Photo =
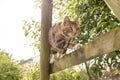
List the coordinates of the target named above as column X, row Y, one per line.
column 91, row 50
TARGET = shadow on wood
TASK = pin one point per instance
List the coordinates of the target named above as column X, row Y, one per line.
column 105, row 44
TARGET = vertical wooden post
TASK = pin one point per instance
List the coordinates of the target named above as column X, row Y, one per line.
column 46, row 20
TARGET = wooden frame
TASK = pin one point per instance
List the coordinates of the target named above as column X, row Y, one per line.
column 105, row 44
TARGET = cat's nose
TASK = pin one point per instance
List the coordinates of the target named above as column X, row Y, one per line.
column 75, row 33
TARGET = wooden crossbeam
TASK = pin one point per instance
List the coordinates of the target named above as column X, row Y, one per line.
column 105, row 44
column 114, row 5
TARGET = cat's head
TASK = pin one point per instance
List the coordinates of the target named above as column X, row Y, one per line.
column 70, row 28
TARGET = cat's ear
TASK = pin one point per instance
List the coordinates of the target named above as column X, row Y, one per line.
column 66, row 19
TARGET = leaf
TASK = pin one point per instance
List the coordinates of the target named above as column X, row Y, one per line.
column 26, row 33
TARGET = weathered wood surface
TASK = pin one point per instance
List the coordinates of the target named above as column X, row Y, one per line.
column 46, row 21
column 114, row 5
column 105, row 44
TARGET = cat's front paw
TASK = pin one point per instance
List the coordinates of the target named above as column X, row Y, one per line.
column 54, row 57
column 76, row 46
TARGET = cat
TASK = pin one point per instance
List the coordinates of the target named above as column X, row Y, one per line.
column 61, row 35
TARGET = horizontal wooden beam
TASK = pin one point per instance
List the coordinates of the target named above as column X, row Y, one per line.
column 114, row 5
column 104, row 44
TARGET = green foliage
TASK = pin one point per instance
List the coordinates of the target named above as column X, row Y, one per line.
column 97, row 68
column 108, row 62
column 33, row 73
column 9, row 70
column 112, row 60
column 32, row 30
column 36, row 72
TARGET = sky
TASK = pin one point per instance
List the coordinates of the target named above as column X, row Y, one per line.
column 12, row 39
